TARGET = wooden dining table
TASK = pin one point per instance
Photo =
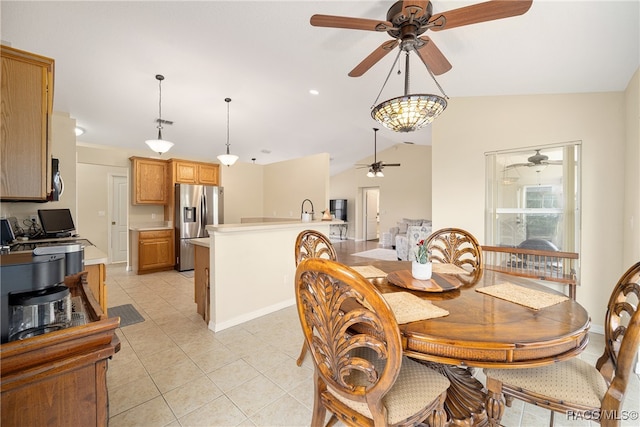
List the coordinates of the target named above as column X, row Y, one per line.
column 483, row 331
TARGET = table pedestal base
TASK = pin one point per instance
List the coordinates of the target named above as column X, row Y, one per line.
column 465, row 398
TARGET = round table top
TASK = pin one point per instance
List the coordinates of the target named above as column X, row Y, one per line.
column 485, row 331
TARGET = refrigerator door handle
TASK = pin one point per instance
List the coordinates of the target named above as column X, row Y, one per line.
column 203, row 209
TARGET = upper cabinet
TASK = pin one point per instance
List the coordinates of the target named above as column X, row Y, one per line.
column 26, row 107
column 150, row 181
column 188, row 172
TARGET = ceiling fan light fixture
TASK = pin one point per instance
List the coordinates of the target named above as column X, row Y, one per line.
column 159, row 145
column 379, row 174
column 227, row 159
column 409, row 113
column 370, row 174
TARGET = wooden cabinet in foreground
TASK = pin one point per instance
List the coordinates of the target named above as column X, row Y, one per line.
column 150, row 178
column 201, row 281
column 27, row 100
column 155, row 250
column 96, row 276
column 60, row 378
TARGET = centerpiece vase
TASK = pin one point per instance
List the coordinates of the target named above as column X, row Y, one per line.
column 421, row 271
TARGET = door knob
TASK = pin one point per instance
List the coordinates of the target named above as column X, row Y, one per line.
column 113, row 223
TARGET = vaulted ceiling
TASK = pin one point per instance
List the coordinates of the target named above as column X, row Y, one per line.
column 266, row 57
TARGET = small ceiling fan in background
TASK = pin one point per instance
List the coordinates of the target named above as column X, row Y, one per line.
column 375, row 168
column 537, row 160
column 407, row 20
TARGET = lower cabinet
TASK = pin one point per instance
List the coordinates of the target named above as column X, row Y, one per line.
column 155, row 250
column 96, row 276
column 201, row 281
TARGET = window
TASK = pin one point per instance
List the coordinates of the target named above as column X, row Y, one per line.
column 534, row 194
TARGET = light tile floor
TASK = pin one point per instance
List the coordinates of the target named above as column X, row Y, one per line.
column 173, row 371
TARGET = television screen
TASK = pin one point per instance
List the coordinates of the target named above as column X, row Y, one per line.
column 56, row 222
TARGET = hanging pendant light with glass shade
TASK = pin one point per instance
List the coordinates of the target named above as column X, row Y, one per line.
column 160, row 145
column 227, row 159
column 409, row 112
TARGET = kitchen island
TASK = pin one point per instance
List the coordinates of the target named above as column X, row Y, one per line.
column 252, row 268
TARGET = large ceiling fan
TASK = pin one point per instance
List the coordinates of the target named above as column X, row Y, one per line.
column 407, row 20
column 375, row 168
column 538, row 159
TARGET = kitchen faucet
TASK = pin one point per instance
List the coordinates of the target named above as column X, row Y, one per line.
column 302, row 211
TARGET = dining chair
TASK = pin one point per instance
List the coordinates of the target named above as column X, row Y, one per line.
column 455, row 246
column 575, row 387
column 312, row 244
column 361, row 375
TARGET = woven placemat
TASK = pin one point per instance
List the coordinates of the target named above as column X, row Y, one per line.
column 448, row 268
column 524, row 296
column 410, row 308
column 369, row 271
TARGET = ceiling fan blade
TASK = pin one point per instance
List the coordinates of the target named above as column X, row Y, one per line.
column 350, row 23
column 517, row 165
column 390, row 164
column 481, row 12
column 373, row 57
column 433, row 57
column 414, row 6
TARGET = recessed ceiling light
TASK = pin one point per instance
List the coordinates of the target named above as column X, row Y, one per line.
column 314, row 92
column 79, row 131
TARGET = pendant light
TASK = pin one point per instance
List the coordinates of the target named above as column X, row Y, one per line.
column 159, row 145
column 409, row 112
column 227, row 159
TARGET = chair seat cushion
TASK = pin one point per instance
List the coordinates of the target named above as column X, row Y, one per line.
column 415, row 388
column 571, row 381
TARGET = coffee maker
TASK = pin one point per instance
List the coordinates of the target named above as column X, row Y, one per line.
column 33, row 298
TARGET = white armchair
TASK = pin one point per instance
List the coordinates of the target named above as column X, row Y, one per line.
column 405, row 244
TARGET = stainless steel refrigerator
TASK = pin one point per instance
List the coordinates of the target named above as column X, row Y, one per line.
column 196, row 207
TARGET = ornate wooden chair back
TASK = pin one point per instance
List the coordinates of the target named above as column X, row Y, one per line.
column 459, row 247
column 355, row 343
column 312, row 244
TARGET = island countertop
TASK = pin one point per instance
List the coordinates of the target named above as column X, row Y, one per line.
column 251, row 226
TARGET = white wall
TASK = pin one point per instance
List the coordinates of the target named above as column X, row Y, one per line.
column 471, row 126
column 405, row 191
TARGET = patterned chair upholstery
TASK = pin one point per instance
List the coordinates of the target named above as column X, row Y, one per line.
column 405, row 245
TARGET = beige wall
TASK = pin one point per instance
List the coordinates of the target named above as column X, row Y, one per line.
column 63, row 140
column 631, row 217
column 288, row 183
column 405, row 191
column 472, row 126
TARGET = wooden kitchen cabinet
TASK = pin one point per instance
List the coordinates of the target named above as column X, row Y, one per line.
column 188, row 172
column 150, row 177
column 155, row 250
column 201, row 281
column 27, row 104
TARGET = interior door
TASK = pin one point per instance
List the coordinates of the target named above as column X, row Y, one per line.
column 119, row 200
column 371, row 196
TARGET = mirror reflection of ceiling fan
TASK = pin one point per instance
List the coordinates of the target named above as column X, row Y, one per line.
column 407, row 20
column 537, row 160
column 375, row 168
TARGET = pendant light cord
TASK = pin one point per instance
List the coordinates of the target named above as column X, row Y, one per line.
column 160, row 78
column 227, row 100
